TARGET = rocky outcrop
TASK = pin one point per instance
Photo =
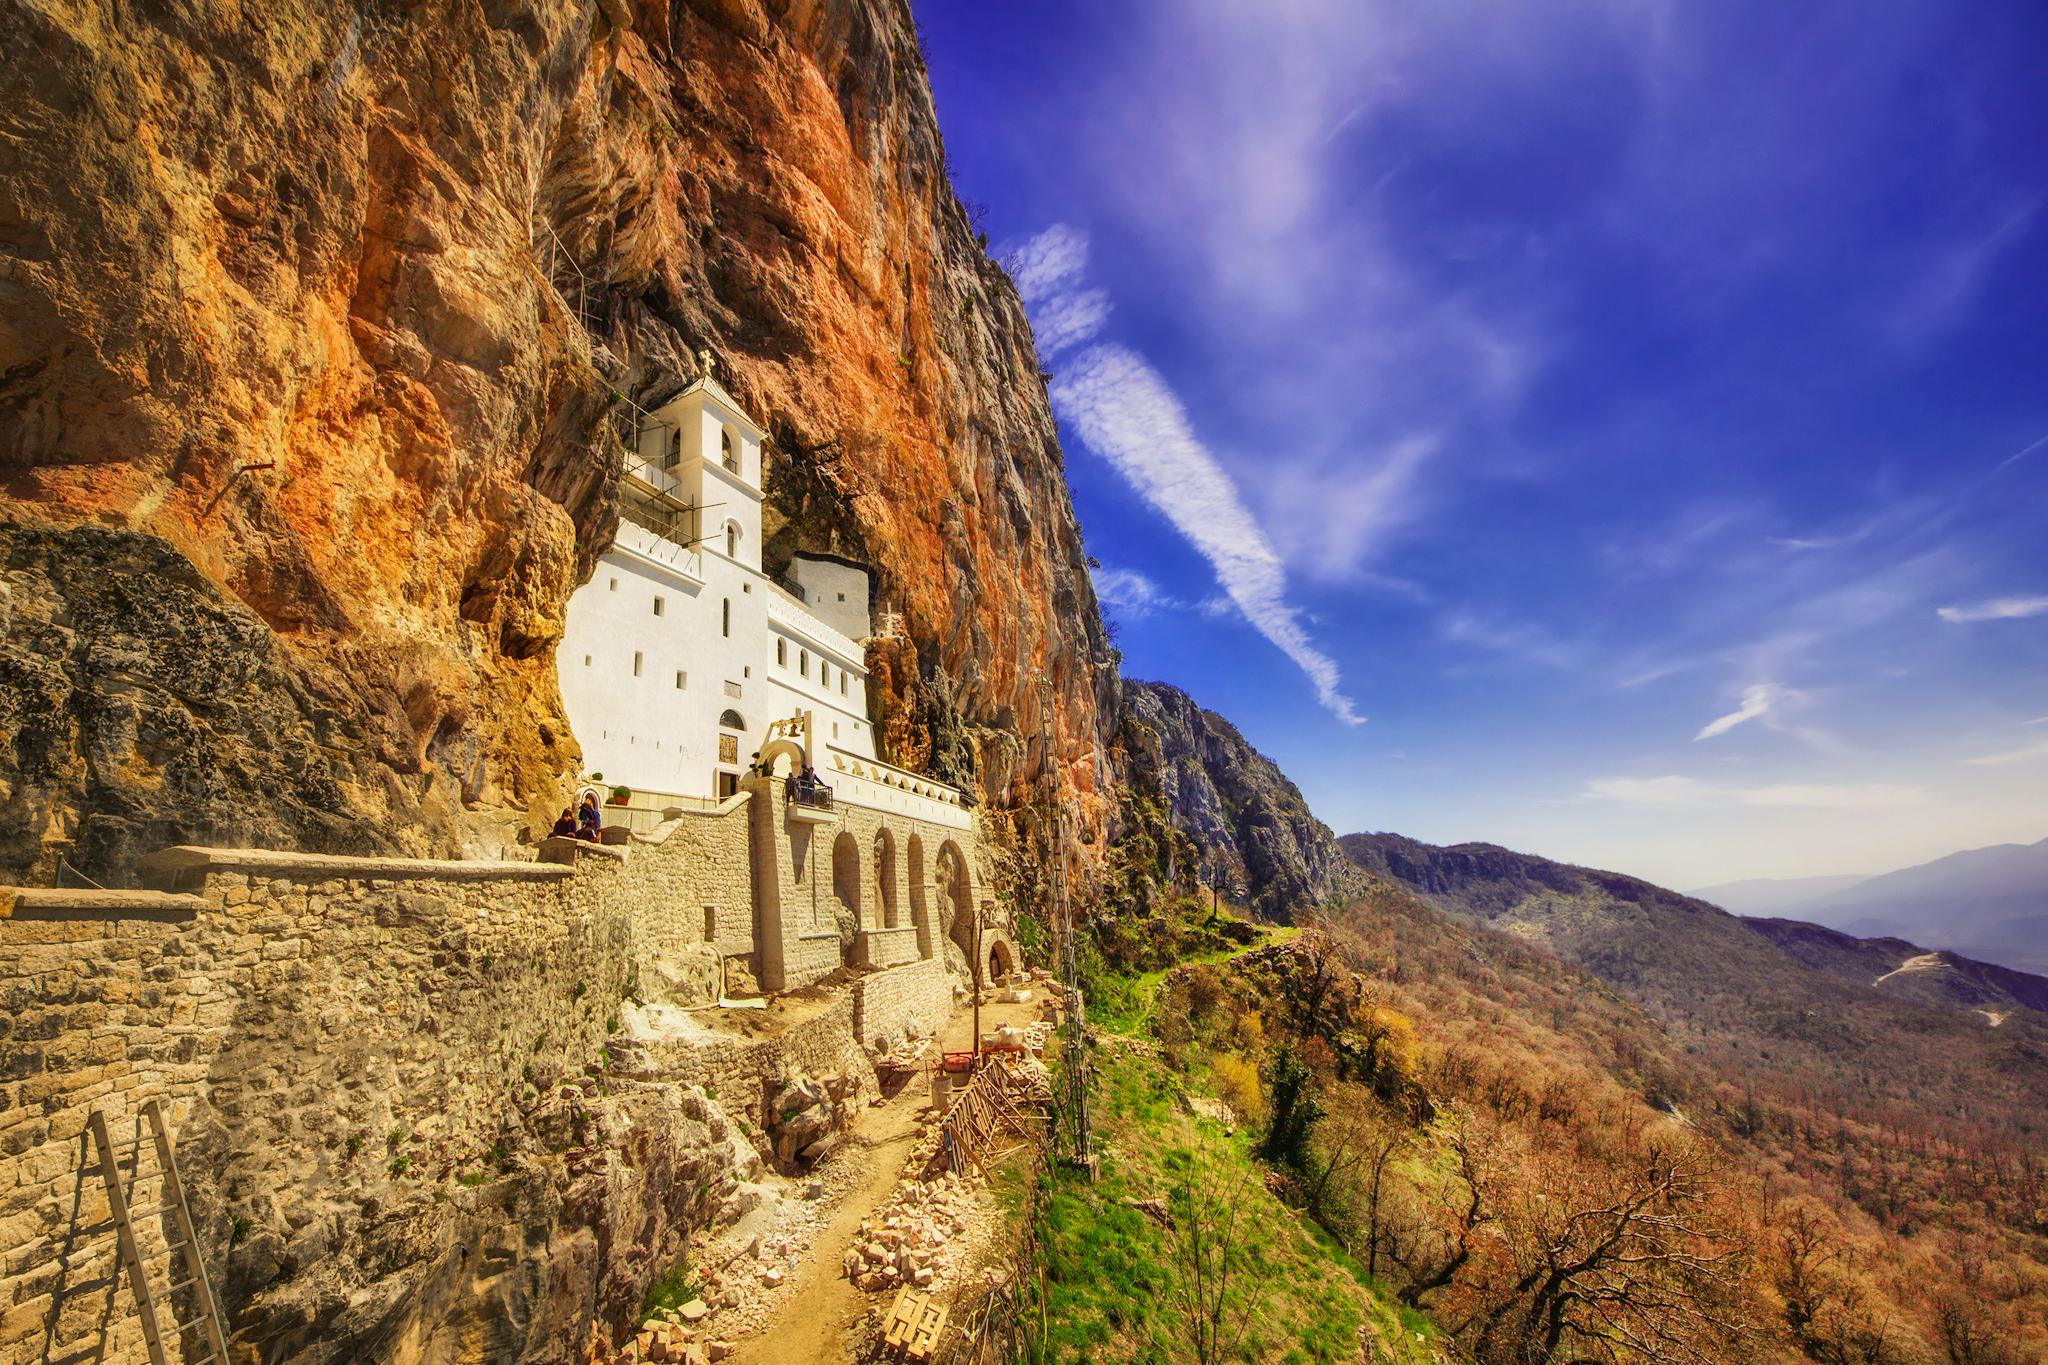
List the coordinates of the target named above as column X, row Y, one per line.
column 345, row 308
column 1189, row 769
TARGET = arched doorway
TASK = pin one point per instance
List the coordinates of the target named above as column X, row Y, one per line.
column 885, row 876
column 1000, row 962
column 920, row 909
column 846, row 874
column 955, row 910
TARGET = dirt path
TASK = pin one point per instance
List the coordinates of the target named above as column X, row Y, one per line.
column 817, row 1321
column 814, row 1322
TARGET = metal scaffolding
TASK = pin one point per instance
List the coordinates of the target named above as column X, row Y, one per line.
column 1074, row 1019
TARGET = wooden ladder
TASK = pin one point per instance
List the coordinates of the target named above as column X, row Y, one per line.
column 184, row 1243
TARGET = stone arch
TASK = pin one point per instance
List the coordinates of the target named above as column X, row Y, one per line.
column 1000, row 961
column 920, row 908
column 885, row 877
column 779, row 748
column 956, row 911
column 846, row 874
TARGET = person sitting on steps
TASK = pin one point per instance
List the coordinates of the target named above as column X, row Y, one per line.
column 565, row 824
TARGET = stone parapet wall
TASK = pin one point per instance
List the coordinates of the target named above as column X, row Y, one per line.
column 893, row 1005
column 888, row 947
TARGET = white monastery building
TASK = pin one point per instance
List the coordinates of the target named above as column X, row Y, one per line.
column 682, row 661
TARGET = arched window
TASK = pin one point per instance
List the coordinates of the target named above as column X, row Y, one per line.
column 781, row 652
column 732, row 540
column 730, row 719
column 727, row 455
column 675, row 448
column 824, row 672
column 803, row 663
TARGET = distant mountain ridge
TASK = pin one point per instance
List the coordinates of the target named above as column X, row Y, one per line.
column 1774, row 895
column 1989, row 903
column 1651, row 940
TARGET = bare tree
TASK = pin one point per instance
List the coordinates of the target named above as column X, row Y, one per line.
column 1209, row 1256
column 1634, row 1257
column 1440, row 1244
column 1359, row 1141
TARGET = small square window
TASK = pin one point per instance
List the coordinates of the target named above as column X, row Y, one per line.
column 746, row 587
column 746, row 670
column 586, row 661
column 613, row 586
column 842, row 597
column 636, row 663
column 682, row 680
column 835, row 729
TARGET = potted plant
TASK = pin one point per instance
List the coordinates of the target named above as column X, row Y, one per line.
column 621, row 795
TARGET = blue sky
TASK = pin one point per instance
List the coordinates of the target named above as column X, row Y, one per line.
column 1614, row 430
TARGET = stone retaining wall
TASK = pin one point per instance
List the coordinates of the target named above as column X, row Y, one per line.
column 342, row 1044
column 889, row 1006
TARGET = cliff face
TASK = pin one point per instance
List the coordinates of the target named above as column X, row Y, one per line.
column 1191, row 768
column 317, row 327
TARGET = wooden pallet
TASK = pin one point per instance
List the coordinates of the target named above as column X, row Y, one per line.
column 205, row 1321
column 914, row 1325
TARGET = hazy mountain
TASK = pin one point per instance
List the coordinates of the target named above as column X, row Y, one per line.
column 1680, row 954
column 1989, row 902
column 1773, row 895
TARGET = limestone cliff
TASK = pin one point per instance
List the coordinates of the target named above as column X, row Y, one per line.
column 318, row 324
column 1188, row 769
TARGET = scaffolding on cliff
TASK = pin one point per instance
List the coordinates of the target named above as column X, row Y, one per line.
column 1074, row 1015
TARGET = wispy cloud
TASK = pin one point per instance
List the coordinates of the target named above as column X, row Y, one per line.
column 1123, row 410
column 1524, row 640
column 1756, row 701
column 1136, row 594
column 1690, row 791
column 1996, row 609
column 2024, row 754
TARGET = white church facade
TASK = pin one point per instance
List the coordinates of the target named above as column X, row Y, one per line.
column 683, row 662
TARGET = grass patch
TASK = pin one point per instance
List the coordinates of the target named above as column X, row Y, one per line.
column 1114, row 1279
column 671, row 1289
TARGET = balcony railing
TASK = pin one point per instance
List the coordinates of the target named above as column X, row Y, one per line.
column 815, row 795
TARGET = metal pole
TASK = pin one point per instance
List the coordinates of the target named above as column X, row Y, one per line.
column 974, row 1064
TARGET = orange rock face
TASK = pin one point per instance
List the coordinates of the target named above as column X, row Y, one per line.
column 339, row 310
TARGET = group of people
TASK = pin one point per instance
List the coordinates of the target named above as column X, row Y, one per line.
column 585, row 819
column 803, row 786
column 581, row 821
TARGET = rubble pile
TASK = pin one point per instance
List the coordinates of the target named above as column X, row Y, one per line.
column 674, row 1339
column 915, row 1237
column 806, row 1117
